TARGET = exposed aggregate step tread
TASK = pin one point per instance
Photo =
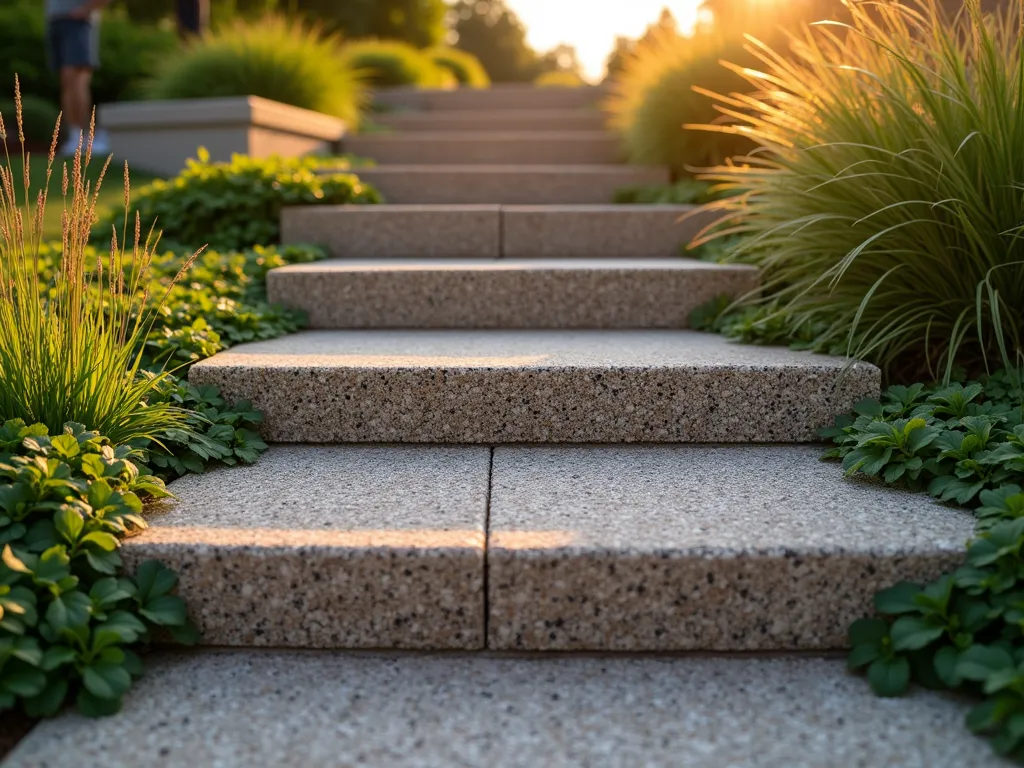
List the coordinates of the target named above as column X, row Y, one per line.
column 529, row 386
column 621, row 548
column 412, row 711
column 331, row 547
column 505, row 293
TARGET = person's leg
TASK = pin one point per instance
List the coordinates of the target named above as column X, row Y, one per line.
column 76, row 99
column 76, row 45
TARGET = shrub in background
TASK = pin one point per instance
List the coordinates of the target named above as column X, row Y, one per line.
column 558, row 79
column 386, row 63
column 653, row 97
column 466, row 68
column 884, row 207
column 274, row 58
column 232, row 206
column 38, row 116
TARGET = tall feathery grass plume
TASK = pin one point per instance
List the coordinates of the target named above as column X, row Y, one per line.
column 72, row 330
column 884, row 202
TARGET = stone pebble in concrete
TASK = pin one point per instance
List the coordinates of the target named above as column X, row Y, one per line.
column 640, row 548
column 505, row 293
column 499, row 386
column 418, row 711
column 331, row 547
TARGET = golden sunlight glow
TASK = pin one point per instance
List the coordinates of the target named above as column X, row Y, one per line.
column 592, row 25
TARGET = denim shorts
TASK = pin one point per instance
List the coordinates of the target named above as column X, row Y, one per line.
column 72, row 43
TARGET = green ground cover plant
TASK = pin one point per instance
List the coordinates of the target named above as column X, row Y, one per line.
column 234, row 205
column 464, row 66
column 884, row 203
column 272, row 57
column 963, row 444
column 384, row 63
column 70, row 620
column 102, row 334
column 72, row 340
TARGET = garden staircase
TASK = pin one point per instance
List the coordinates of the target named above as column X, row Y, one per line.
column 498, row 439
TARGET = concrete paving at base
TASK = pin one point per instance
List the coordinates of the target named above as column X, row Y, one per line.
column 331, row 546
column 505, row 293
column 269, row 708
column 490, row 148
column 546, row 386
column 508, row 184
column 659, row 548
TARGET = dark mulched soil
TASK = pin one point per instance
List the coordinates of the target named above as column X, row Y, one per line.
column 13, row 728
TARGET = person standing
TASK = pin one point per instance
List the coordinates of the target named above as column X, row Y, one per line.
column 72, row 37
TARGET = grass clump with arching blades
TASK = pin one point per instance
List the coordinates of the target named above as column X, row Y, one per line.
column 464, row 66
column 71, row 347
column 653, row 97
column 884, row 205
column 386, row 63
column 273, row 58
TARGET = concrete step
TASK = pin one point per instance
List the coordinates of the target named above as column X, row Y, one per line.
column 492, row 148
column 534, row 386
column 667, row 548
column 499, row 97
column 508, row 184
column 505, row 293
column 490, row 231
column 286, row 708
column 331, row 547
column 621, row 548
column 494, row 120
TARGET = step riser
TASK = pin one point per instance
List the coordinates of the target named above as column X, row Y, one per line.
column 564, row 601
column 517, row 120
column 551, row 186
column 449, row 404
column 504, row 298
column 586, row 149
column 494, row 98
column 386, row 231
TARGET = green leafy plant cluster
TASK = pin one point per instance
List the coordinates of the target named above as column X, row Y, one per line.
column 233, row 206
column 883, row 203
column 69, row 618
column 272, row 57
column 962, row 443
column 221, row 302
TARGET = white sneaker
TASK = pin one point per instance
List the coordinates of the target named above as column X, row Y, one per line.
column 101, row 143
column 70, row 145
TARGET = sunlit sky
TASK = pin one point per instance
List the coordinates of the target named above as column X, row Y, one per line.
column 592, row 25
